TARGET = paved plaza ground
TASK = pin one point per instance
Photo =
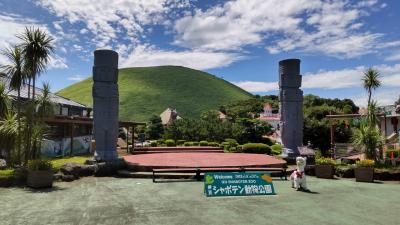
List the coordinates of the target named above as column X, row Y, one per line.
column 139, row 201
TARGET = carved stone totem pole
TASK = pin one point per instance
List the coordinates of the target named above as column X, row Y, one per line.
column 291, row 104
column 105, row 104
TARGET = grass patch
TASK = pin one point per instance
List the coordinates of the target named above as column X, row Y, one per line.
column 156, row 88
column 6, row 173
column 58, row 163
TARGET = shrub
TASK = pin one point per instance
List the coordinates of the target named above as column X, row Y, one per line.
column 224, row 145
column 188, row 143
column 276, row 149
column 153, row 144
column 365, row 163
column 40, row 164
column 160, row 142
column 195, row 143
column 325, row 161
column 170, row 143
column 396, row 153
column 267, row 141
column 203, row 143
column 258, row 148
column 180, row 142
column 213, row 144
column 232, row 142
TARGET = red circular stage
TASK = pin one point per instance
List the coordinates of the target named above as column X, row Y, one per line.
column 146, row 162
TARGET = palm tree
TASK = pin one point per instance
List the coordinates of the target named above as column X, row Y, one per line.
column 9, row 134
column 36, row 47
column 15, row 71
column 368, row 139
column 5, row 101
column 371, row 82
column 44, row 103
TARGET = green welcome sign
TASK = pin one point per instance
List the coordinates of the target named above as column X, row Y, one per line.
column 238, row 184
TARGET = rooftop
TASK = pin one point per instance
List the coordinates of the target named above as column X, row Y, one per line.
column 38, row 91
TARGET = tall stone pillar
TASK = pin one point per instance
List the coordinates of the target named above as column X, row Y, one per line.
column 291, row 104
column 105, row 104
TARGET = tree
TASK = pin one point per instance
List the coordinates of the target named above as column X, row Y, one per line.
column 8, row 134
column 5, row 101
column 368, row 139
column 155, row 129
column 371, row 82
column 36, row 46
column 15, row 71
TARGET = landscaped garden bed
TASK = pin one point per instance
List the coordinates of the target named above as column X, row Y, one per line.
column 325, row 168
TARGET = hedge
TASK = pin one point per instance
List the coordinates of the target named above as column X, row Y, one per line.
column 203, row 143
column 180, row 142
column 153, row 144
column 258, row 148
column 170, row 143
column 213, row 144
column 276, row 149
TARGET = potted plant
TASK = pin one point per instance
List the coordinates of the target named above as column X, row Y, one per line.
column 325, row 168
column 40, row 173
column 364, row 171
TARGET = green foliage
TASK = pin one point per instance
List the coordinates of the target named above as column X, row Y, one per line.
column 195, row 143
column 396, row 153
column 40, row 164
column 180, row 142
column 325, row 161
column 213, row 144
column 160, row 141
column 203, row 143
column 368, row 139
column 58, row 163
column 5, row 101
column 367, row 163
column 317, row 127
column 258, row 148
column 154, row 129
column 7, row 173
column 145, row 91
column 188, row 143
column 153, row 144
column 276, row 149
column 251, row 130
column 170, row 143
column 249, row 108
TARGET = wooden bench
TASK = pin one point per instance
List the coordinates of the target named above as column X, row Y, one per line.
column 198, row 171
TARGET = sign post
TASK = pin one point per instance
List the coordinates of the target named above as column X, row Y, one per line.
column 238, row 184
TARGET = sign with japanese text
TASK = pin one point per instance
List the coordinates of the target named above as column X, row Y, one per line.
column 238, row 184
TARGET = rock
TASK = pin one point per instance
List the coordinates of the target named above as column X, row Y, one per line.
column 78, row 170
column 90, row 162
column 3, row 164
column 344, row 172
column 87, row 170
column 71, row 169
column 57, row 176
column 68, row 178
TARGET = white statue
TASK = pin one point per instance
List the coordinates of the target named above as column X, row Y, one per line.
column 298, row 177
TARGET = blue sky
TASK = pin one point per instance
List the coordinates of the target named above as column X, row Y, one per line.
column 240, row 40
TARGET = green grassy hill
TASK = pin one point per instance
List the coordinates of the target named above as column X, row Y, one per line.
column 145, row 91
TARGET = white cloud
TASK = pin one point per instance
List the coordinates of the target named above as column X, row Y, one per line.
column 145, row 55
column 334, row 79
column 312, row 26
column 256, row 86
column 12, row 25
column 57, row 62
column 76, row 78
column 106, row 19
column 393, row 57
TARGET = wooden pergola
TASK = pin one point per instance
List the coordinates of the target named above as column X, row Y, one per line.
column 71, row 121
column 348, row 116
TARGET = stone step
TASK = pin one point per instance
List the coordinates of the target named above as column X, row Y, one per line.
column 131, row 174
column 136, row 152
